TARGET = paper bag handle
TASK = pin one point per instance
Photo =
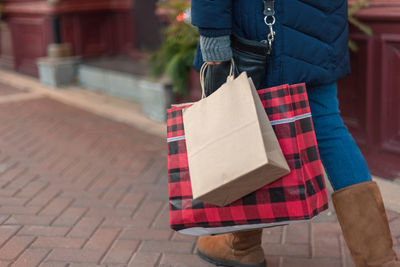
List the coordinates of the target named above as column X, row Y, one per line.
column 203, row 72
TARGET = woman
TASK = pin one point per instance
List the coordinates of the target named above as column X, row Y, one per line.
column 310, row 46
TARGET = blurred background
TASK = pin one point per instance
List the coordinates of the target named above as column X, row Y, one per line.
column 141, row 50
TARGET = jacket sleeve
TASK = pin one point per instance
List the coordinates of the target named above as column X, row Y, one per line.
column 212, row 17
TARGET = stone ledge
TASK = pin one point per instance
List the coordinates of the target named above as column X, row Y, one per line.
column 155, row 96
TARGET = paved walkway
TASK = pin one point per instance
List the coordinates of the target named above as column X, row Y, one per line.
column 81, row 190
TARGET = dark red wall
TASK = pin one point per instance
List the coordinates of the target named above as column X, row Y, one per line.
column 93, row 27
column 147, row 22
column 370, row 96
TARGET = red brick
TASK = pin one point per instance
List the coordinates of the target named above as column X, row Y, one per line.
column 396, row 241
column 44, row 196
column 345, row 253
column 14, row 247
column 6, row 163
column 154, row 192
column 10, row 174
column 13, row 201
column 326, row 245
column 21, row 180
column 69, row 217
column 30, row 258
column 397, row 250
column 87, row 199
column 113, row 196
column 102, row 239
column 3, row 218
column 76, row 255
column 58, row 242
column 328, row 216
column 392, row 215
column 141, row 259
column 71, row 190
column 60, row 164
column 31, row 189
column 121, row 222
column 109, row 212
column 102, row 183
column 122, row 251
column 5, row 263
column 85, row 227
column 298, row 233
column 56, row 206
column 43, row 230
column 272, row 235
column 30, row 220
column 166, row 246
column 145, row 234
column 180, row 237
column 162, row 220
column 86, row 265
column 18, row 210
column 182, row 260
column 147, row 212
column 322, row 228
column 287, row 250
column 6, row 231
column 53, row 264
column 305, row 262
column 8, row 192
column 274, row 261
column 131, row 200
column 395, row 227
column 76, row 169
column 90, row 177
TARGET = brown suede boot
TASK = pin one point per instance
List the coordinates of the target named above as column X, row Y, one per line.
column 239, row 249
column 365, row 227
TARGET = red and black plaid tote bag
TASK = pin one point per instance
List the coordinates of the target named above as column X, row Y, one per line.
column 299, row 195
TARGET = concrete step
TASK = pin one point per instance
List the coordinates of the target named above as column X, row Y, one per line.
column 127, row 79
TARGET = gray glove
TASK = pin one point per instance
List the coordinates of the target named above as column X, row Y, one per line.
column 216, row 48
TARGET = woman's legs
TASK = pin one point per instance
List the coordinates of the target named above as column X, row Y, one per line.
column 357, row 199
column 342, row 159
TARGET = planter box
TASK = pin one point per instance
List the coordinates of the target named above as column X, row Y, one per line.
column 56, row 72
column 156, row 99
column 154, row 96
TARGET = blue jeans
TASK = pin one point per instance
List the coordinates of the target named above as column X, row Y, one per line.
column 342, row 159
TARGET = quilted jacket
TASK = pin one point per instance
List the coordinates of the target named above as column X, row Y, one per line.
column 311, row 43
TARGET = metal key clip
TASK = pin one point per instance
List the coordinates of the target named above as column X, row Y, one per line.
column 270, row 21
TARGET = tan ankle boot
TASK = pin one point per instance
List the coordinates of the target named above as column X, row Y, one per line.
column 239, row 249
column 365, row 227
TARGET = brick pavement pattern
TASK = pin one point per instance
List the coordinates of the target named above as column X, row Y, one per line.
column 79, row 190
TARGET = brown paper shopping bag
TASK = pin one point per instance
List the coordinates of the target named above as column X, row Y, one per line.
column 231, row 146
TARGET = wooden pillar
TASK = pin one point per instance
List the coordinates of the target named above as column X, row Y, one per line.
column 147, row 25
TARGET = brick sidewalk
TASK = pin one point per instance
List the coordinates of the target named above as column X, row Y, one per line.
column 79, row 190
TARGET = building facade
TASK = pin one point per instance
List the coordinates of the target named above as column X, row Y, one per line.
column 94, row 28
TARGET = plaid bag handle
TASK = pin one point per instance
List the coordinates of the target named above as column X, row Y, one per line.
column 203, row 74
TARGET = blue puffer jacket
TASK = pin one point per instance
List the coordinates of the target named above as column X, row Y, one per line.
column 311, row 36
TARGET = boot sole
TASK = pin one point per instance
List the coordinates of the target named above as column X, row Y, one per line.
column 227, row 263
